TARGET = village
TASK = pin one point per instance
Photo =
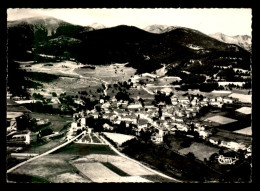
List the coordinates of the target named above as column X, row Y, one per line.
column 148, row 107
column 166, row 116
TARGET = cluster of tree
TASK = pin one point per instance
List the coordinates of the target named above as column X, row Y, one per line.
column 187, row 78
column 45, row 132
column 83, row 92
column 38, row 96
column 97, row 124
column 121, row 128
column 204, row 87
column 162, row 97
column 145, row 135
column 22, row 123
column 67, row 99
column 141, row 100
column 144, row 66
column 228, row 74
column 123, row 95
column 150, row 153
column 42, row 108
column 40, row 76
column 198, row 68
column 40, row 35
column 16, row 82
column 208, row 87
column 125, row 84
column 247, row 85
column 68, row 30
column 88, row 104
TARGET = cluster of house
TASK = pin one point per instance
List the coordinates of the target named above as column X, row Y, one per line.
column 15, row 115
column 79, row 124
column 175, row 117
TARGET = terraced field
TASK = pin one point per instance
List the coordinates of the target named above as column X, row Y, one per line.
column 83, row 163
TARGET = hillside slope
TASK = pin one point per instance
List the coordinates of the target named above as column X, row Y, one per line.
column 144, row 50
column 244, row 41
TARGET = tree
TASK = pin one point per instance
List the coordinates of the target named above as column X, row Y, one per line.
column 54, row 94
column 191, row 156
column 141, row 101
column 98, row 108
column 145, row 135
column 167, row 141
column 160, row 112
column 122, row 96
column 121, row 127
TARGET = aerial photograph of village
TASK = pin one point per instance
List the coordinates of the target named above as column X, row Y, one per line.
column 129, row 95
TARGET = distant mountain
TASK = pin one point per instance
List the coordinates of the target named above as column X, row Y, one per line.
column 158, row 29
column 244, row 41
column 145, row 51
column 40, row 34
column 97, row 26
column 47, row 23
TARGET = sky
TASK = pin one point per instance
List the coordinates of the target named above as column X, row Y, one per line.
column 228, row 21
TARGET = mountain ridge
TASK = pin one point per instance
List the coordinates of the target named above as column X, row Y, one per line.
column 244, row 41
column 123, row 44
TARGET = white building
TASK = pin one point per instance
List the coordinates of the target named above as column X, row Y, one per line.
column 83, row 122
column 228, row 100
column 157, row 138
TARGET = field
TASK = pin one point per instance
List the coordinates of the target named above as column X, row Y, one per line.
column 111, row 168
column 57, row 121
column 95, row 171
column 60, row 68
column 118, row 138
column 98, row 172
column 245, row 110
column 247, row 140
column 141, row 93
column 69, row 177
column 109, row 73
column 199, row 150
column 245, row 131
column 159, row 88
column 242, row 97
column 227, row 118
column 177, row 143
column 221, row 119
column 80, row 79
column 85, row 149
column 61, row 85
column 212, row 94
column 83, row 166
column 165, row 81
column 49, row 168
column 228, row 111
column 131, row 168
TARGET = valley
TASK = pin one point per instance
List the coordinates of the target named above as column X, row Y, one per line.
column 128, row 97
